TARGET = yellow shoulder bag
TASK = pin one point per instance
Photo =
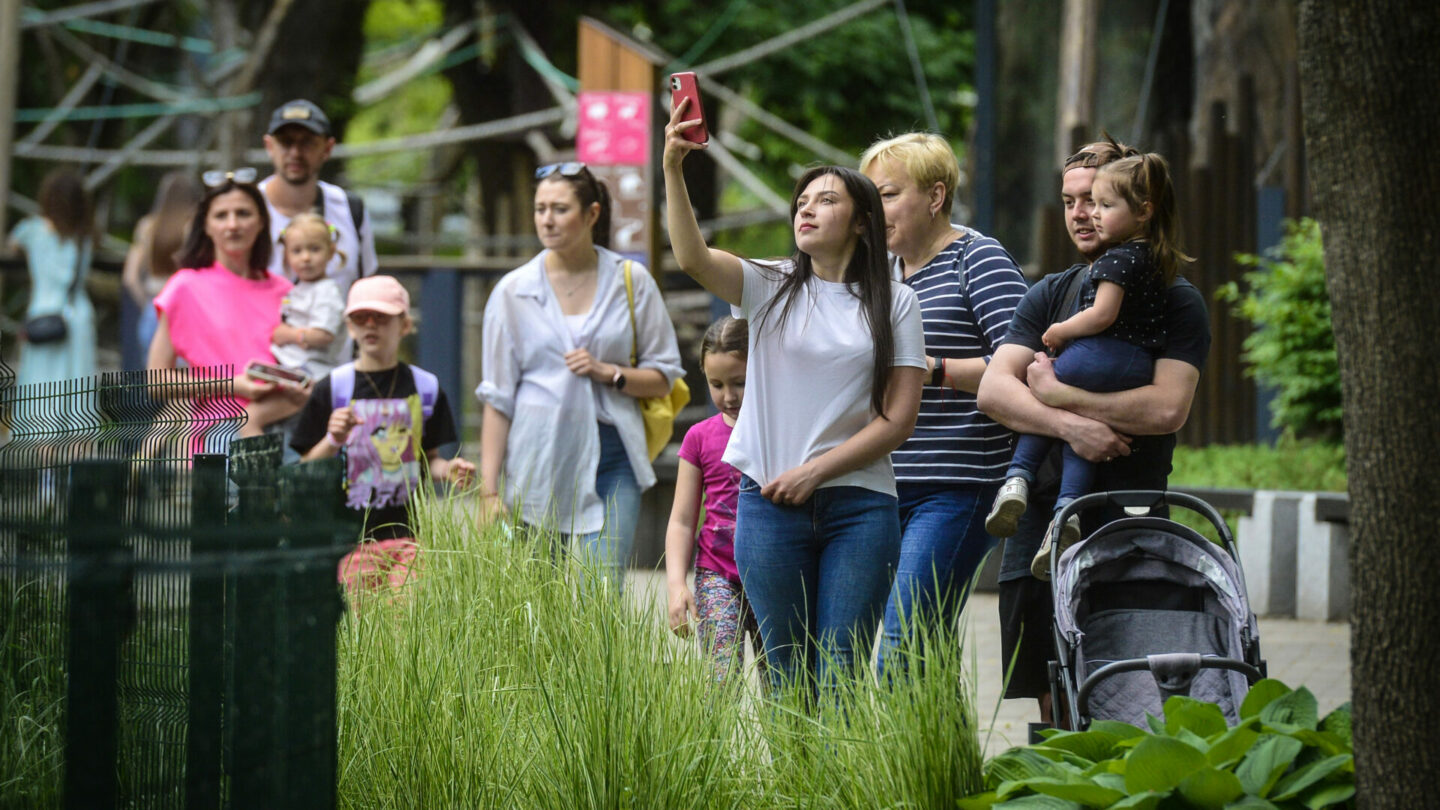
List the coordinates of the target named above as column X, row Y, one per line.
column 658, row 412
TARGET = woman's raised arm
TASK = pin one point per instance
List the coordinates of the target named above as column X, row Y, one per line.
column 717, row 271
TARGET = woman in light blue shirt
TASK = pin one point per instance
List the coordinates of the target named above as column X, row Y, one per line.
column 562, row 439
column 58, row 246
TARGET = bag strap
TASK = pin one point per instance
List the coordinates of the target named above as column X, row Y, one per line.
column 427, row 385
column 634, row 332
column 77, row 280
column 357, row 214
column 342, row 386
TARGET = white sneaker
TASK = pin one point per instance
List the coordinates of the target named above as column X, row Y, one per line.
column 1069, row 536
column 1009, row 506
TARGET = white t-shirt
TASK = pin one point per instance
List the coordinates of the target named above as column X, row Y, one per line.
column 807, row 387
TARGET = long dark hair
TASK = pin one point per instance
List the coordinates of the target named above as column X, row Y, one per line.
column 868, row 273
column 65, row 202
column 589, row 190
column 199, row 251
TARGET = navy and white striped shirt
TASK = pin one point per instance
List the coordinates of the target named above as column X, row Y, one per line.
column 967, row 294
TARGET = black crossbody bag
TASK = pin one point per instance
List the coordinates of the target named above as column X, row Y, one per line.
column 52, row 328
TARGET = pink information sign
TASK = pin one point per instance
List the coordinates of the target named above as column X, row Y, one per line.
column 614, row 128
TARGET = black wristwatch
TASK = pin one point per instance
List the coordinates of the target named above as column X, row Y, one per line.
column 937, row 376
column 618, row 380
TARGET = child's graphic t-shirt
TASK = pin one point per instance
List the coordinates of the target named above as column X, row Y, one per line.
column 386, row 456
column 704, row 446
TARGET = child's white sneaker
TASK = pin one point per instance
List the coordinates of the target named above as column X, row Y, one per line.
column 1069, row 536
column 1009, row 506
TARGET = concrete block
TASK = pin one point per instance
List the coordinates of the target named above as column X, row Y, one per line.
column 1322, row 566
column 1267, row 540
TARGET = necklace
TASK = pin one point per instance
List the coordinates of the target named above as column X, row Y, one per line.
column 585, row 278
column 394, row 378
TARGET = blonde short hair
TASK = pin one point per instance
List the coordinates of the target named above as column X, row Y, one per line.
column 926, row 157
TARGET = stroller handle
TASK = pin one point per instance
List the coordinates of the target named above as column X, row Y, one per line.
column 1149, row 499
column 1082, row 700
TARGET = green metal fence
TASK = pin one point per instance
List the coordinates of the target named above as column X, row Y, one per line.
column 167, row 600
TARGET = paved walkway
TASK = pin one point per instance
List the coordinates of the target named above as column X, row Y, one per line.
column 1315, row 655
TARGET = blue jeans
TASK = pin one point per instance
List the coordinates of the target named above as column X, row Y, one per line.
column 816, row 575
column 1097, row 364
column 609, row 549
column 942, row 544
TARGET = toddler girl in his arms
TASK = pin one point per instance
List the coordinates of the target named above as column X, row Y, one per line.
column 1109, row 344
column 391, row 418
column 310, row 314
column 719, row 604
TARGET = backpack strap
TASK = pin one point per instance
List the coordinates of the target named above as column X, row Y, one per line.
column 634, row 333
column 427, row 385
column 342, row 386
column 357, row 214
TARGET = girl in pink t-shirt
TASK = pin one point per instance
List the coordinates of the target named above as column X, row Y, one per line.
column 718, row 604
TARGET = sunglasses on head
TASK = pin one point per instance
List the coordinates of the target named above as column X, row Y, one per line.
column 365, row 317
column 571, row 168
column 219, row 177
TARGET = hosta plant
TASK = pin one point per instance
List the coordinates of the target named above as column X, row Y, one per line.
column 1280, row 755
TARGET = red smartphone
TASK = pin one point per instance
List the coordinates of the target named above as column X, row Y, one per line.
column 275, row 374
column 683, row 86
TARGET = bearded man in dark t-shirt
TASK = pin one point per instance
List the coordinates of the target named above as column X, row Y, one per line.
column 1129, row 434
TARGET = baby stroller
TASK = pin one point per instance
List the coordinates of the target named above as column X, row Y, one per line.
column 1146, row 608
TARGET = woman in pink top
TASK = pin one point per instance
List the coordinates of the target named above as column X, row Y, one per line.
column 222, row 307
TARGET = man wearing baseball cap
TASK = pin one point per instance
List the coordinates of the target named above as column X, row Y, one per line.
column 298, row 141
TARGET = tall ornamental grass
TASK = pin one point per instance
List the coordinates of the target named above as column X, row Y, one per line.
column 500, row 678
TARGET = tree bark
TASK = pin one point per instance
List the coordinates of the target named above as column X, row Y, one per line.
column 1369, row 73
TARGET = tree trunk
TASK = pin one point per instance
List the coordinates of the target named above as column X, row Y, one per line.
column 1369, row 75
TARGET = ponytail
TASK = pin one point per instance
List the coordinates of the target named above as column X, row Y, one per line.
column 1145, row 178
column 600, row 231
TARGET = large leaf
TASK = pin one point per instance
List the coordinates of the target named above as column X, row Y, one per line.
column 1148, row 800
column 1197, row 716
column 1328, row 794
column 1325, row 742
column 1124, row 731
column 1251, row 803
column 1038, row 803
column 1260, row 696
column 1192, row 739
column 1211, row 788
column 1267, row 760
column 1295, row 710
column 1114, row 781
column 1018, row 765
column 1094, row 745
column 1232, row 745
column 1338, row 723
column 980, row 801
column 1295, row 783
column 1086, row 793
column 1159, row 763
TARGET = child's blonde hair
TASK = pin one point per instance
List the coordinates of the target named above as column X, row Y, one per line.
column 310, row 219
column 1141, row 179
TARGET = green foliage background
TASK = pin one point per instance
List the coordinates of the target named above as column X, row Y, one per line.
column 1293, row 346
